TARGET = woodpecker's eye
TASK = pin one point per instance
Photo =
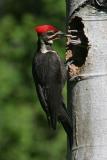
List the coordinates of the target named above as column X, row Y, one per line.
column 50, row 33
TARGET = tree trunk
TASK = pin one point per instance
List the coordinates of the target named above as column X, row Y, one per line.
column 87, row 92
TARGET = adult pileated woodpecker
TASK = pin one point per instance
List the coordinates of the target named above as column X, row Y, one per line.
column 49, row 75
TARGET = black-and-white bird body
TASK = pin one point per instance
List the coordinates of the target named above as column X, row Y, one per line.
column 49, row 75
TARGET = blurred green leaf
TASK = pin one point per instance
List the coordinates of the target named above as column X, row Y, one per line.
column 24, row 131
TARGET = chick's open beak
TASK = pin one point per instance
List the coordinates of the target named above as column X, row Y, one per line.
column 73, row 38
column 61, row 34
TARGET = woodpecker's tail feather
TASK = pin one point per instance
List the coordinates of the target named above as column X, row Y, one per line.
column 66, row 122
column 68, row 130
column 53, row 101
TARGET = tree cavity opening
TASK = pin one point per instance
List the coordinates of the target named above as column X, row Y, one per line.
column 79, row 51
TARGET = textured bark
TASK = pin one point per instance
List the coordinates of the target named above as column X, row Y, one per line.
column 87, row 98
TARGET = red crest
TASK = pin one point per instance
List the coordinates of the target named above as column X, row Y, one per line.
column 45, row 28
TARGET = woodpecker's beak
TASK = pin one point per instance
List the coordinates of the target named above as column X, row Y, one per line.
column 60, row 34
column 73, row 39
column 57, row 35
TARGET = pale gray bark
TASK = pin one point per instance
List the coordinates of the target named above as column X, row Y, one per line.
column 87, row 100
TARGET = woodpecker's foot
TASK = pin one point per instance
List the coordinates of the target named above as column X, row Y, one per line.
column 73, row 70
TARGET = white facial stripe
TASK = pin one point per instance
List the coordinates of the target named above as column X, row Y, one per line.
column 50, row 41
column 43, row 48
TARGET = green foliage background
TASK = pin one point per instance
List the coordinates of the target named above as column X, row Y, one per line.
column 24, row 132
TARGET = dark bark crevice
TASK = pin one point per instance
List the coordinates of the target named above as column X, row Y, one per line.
column 100, row 4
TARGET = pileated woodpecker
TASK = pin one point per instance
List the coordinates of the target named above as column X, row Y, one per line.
column 49, row 75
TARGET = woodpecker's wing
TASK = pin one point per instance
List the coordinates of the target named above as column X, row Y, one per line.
column 40, row 91
column 54, row 86
column 47, row 73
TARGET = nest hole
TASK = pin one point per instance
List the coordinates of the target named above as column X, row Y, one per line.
column 79, row 51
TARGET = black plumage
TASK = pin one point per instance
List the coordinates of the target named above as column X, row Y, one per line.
column 49, row 74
